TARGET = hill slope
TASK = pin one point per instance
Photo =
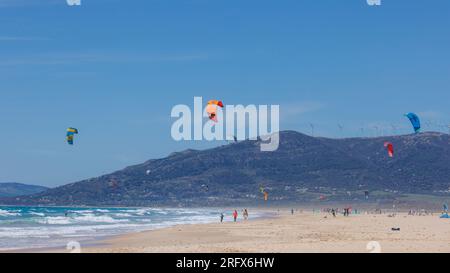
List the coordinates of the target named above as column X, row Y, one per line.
column 303, row 169
column 17, row 189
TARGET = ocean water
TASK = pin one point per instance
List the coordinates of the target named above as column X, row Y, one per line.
column 46, row 227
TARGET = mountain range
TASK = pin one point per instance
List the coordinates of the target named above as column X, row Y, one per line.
column 304, row 169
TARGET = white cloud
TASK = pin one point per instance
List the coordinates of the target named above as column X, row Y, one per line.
column 292, row 110
column 97, row 57
column 430, row 114
column 17, row 38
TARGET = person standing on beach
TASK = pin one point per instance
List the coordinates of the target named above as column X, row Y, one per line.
column 245, row 214
column 235, row 215
column 221, row 217
column 346, row 211
column 292, row 211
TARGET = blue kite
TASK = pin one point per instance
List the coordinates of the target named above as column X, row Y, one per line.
column 415, row 121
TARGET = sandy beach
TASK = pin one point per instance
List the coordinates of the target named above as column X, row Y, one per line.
column 298, row 233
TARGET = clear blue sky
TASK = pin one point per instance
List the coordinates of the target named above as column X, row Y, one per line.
column 114, row 69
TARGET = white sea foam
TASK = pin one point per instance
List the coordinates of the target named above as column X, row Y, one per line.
column 9, row 213
column 55, row 220
column 37, row 213
column 141, row 211
column 97, row 219
column 46, row 227
column 81, row 211
column 121, row 214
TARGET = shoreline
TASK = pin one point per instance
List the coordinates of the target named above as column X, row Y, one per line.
column 277, row 231
column 95, row 242
column 303, row 232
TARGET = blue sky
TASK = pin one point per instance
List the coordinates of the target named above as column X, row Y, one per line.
column 115, row 68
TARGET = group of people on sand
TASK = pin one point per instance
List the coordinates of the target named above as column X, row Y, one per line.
column 421, row 212
column 336, row 211
column 235, row 215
